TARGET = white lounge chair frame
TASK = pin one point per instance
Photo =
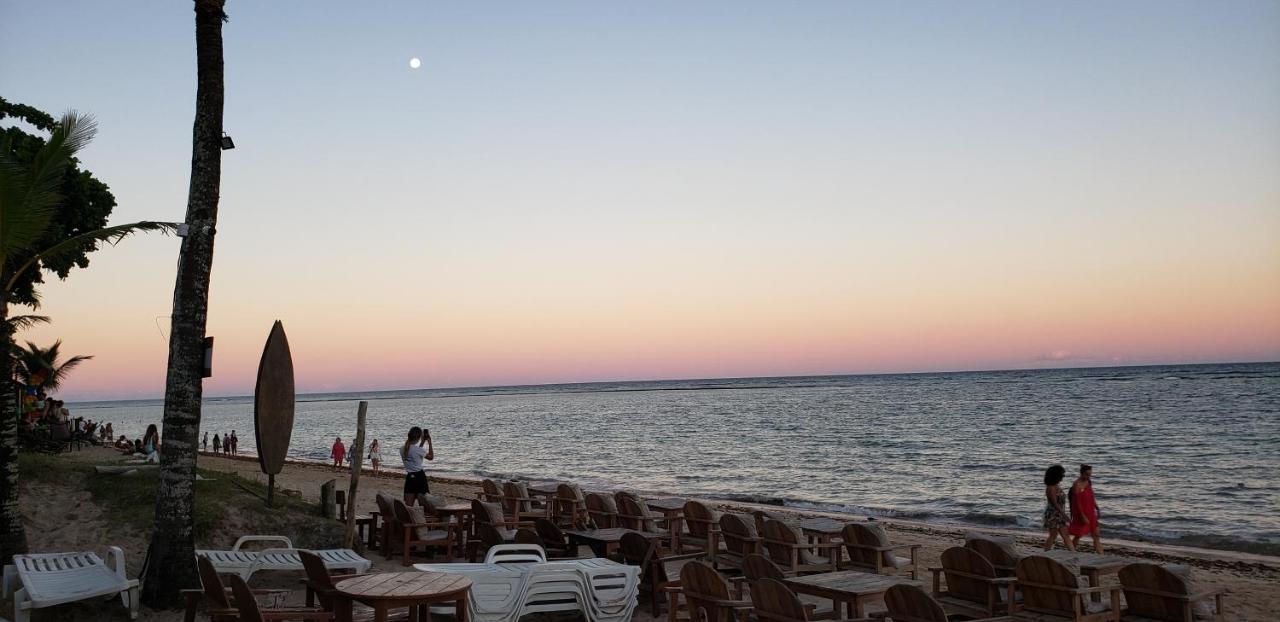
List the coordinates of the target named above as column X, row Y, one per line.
column 49, row 579
column 245, row 563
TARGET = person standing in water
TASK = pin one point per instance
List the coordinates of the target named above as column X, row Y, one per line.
column 413, row 453
column 1084, row 510
column 1056, row 518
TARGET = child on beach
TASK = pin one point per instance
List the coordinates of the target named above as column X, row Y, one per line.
column 1084, row 510
column 1055, row 510
column 375, row 455
column 413, row 453
column 338, row 453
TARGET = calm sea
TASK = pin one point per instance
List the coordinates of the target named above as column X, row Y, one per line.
column 1181, row 454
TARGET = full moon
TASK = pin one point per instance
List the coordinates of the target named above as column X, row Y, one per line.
column 415, row 62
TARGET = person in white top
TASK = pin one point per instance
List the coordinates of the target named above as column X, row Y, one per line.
column 413, row 453
column 375, row 455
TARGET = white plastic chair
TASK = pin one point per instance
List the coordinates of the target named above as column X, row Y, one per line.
column 49, row 579
column 515, row 553
column 244, row 563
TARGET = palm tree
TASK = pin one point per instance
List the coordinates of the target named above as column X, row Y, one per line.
column 39, row 367
column 171, row 562
column 28, row 201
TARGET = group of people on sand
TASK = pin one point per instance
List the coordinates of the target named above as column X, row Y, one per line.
column 1083, row 516
column 338, row 453
column 146, row 448
column 224, row 444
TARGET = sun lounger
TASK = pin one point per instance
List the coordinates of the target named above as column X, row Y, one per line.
column 244, row 563
column 49, row 579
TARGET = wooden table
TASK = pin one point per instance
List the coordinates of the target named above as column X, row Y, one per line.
column 548, row 492
column 1091, row 564
column 672, row 509
column 394, row 590
column 850, row 587
column 604, row 542
column 461, row 511
column 824, row 530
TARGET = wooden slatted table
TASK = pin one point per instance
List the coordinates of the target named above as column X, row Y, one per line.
column 849, row 587
column 672, row 509
column 394, row 590
column 462, row 511
column 546, row 490
column 821, row 529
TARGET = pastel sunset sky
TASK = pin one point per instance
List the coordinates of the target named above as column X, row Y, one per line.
column 589, row 191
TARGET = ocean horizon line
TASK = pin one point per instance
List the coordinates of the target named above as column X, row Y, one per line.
column 513, row 389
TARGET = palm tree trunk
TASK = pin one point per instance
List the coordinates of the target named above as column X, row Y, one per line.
column 171, row 563
column 13, row 539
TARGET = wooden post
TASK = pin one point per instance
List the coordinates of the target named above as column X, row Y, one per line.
column 328, row 500
column 357, row 458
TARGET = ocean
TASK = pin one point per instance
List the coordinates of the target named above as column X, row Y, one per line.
column 1186, row 455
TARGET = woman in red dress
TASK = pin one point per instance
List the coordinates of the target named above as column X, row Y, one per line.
column 1084, row 510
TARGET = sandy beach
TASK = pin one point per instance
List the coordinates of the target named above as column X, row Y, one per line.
column 1253, row 580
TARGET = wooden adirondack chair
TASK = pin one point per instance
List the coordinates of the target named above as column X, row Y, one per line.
column 571, row 507
column 549, row 537
column 634, row 514
column 740, row 540
column 1054, row 592
column 973, row 589
column 517, row 503
column 787, row 547
column 388, row 530
column 603, row 510
column 637, row 550
column 490, row 513
column 218, row 599
column 703, row 526
column 1154, row 592
column 248, row 610
column 422, row 534
column 756, row 567
column 489, row 492
column 908, row 603
column 775, row 602
column 706, row 594
column 999, row 550
column 869, row 550
column 320, row 589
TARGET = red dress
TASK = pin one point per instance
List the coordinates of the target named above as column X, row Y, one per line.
column 1084, row 512
column 338, row 452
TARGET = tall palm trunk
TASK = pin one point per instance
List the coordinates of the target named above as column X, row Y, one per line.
column 171, row 559
column 13, row 539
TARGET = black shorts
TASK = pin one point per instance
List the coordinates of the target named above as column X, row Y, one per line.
column 416, row 483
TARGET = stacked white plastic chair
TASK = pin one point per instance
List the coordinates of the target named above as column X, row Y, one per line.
column 516, row 579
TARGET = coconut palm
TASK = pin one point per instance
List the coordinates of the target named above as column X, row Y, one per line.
column 28, row 202
column 39, row 367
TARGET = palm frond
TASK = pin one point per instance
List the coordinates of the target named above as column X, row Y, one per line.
column 110, row 235
column 29, row 194
column 23, row 322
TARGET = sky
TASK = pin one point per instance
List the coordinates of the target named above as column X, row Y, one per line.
column 581, row 191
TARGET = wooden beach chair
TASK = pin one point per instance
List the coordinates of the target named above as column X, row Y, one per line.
column 706, row 594
column 637, row 550
column 41, row 580
column 320, row 590
column 761, row 516
column 775, row 602
column 908, row 603
column 973, row 588
column 518, row 504
column 490, row 513
column 740, row 540
column 419, row 533
column 489, row 492
column 248, row 610
column 788, row 548
column 530, row 536
column 571, row 507
column 486, row 537
column 703, row 526
column 756, row 567
column 634, row 514
column 869, row 550
column 1001, row 551
column 218, row 599
column 1054, row 592
column 602, row 510
column 1167, row 593
column 554, row 538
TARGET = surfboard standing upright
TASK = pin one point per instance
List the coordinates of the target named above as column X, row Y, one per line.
column 273, row 404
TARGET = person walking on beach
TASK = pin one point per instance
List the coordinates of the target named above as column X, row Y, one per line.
column 1084, row 510
column 413, row 453
column 1055, row 508
column 338, row 452
column 217, row 444
column 375, row 455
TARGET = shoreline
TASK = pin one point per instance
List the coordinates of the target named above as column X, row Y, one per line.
column 1168, row 552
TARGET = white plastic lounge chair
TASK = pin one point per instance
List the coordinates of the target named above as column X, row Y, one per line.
column 49, row 579
column 244, row 563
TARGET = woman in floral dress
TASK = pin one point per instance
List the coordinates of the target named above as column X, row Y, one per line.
column 1056, row 518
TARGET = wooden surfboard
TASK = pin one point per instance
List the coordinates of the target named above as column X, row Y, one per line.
column 273, row 401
